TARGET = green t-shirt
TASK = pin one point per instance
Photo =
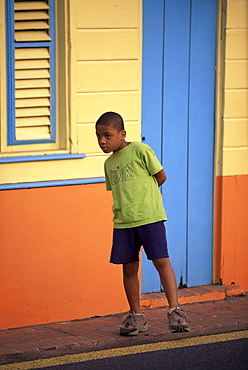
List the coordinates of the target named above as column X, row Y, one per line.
column 129, row 174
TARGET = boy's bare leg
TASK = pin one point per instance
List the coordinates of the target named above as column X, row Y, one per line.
column 168, row 280
column 131, row 285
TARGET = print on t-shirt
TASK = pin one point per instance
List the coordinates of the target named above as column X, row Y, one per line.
column 122, row 174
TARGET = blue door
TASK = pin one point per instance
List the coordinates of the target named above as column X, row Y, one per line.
column 179, row 46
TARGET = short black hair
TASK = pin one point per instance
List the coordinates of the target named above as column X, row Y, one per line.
column 111, row 119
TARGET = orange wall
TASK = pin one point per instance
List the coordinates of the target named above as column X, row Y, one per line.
column 231, row 235
column 55, row 245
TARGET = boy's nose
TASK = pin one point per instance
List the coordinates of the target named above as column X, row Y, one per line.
column 101, row 140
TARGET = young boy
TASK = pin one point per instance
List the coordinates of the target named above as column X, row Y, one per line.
column 133, row 174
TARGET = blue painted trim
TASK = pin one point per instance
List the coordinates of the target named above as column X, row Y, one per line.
column 45, row 184
column 45, row 157
column 10, row 86
column 11, row 45
column 30, row 44
column 29, row 142
column 53, row 71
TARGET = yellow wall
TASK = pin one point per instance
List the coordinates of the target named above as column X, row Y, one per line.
column 103, row 54
column 235, row 140
column 231, row 235
column 106, row 66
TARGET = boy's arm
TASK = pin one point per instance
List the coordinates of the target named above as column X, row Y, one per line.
column 160, row 177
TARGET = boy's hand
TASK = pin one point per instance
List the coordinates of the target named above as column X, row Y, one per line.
column 160, row 177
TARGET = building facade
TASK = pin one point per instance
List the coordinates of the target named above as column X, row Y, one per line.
column 177, row 71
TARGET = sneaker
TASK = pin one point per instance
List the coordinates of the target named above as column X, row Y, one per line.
column 133, row 324
column 178, row 321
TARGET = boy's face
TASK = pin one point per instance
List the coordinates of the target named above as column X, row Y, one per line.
column 110, row 139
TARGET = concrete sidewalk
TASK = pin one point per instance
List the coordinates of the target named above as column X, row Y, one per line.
column 212, row 309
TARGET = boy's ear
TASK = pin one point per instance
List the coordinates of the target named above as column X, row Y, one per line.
column 123, row 134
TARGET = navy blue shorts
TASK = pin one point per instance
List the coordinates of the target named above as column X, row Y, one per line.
column 128, row 242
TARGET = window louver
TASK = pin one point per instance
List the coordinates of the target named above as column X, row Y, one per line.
column 33, row 71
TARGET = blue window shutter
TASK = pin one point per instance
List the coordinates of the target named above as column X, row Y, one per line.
column 30, row 40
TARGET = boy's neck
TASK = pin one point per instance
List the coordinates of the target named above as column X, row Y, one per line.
column 124, row 144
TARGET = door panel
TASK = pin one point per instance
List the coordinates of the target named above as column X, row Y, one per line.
column 201, row 142
column 178, row 122
column 153, row 35
column 175, row 130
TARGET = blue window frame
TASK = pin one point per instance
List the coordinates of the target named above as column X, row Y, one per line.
column 31, row 72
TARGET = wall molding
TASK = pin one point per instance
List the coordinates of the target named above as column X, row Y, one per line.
column 43, row 157
column 45, row 184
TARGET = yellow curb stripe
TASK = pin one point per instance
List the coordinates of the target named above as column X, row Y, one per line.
column 114, row 352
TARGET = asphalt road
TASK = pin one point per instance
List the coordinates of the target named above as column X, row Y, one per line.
column 225, row 355
column 224, row 351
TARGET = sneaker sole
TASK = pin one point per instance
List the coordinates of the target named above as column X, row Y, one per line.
column 135, row 332
column 180, row 329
